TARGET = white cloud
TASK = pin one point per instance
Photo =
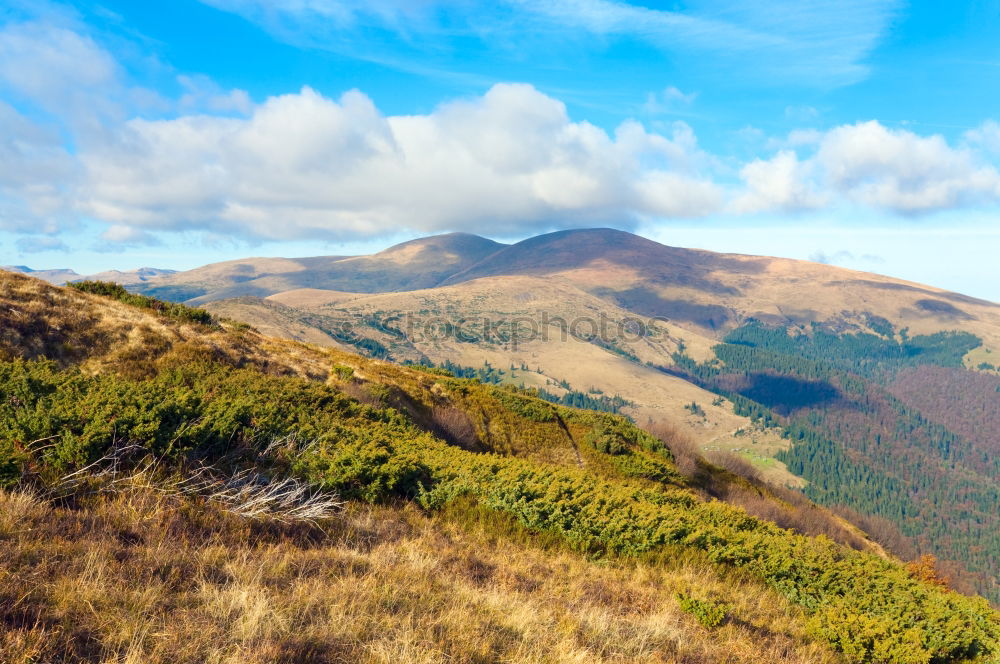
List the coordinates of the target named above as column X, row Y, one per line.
column 305, row 165
column 38, row 245
column 782, row 183
column 65, row 73
column 869, row 164
column 37, row 175
column 902, row 171
column 121, row 236
column 985, row 136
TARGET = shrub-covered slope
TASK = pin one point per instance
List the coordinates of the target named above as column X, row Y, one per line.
column 209, row 392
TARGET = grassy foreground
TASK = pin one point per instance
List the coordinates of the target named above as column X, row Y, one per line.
column 142, row 578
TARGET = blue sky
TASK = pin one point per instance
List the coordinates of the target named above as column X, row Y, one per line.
column 862, row 133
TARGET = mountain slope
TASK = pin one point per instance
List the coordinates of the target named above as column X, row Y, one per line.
column 197, row 391
column 705, row 292
column 712, row 292
column 543, row 356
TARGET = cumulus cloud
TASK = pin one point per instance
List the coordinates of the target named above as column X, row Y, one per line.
column 782, row 183
column 306, row 165
column 902, row 171
column 869, row 164
column 985, row 136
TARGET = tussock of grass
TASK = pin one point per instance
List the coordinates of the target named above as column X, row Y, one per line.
column 143, row 579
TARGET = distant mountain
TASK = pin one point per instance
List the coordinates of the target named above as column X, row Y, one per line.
column 56, row 276
column 130, row 277
column 705, row 291
column 60, row 277
column 422, row 263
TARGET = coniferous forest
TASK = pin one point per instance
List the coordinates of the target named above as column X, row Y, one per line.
column 866, row 431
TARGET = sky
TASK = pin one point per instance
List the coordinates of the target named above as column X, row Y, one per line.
column 862, row 133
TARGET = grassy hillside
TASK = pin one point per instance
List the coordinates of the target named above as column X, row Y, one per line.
column 454, row 460
column 139, row 576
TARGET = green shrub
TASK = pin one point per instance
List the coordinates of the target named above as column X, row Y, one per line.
column 343, row 372
column 708, row 612
column 434, row 371
column 173, row 310
column 529, row 407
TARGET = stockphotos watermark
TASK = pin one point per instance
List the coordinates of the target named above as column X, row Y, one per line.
column 511, row 331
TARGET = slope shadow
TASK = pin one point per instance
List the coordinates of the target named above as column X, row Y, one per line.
column 782, row 393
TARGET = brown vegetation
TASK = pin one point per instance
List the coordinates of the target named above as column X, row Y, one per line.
column 140, row 577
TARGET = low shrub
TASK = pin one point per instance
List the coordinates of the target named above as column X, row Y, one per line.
column 708, row 612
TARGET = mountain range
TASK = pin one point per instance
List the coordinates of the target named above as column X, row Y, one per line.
column 61, row 276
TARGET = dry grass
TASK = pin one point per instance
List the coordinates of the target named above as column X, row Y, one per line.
column 70, row 327
column 139, row 578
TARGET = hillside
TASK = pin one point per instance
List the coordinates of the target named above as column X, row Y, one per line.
column 470, row 507
column 601, row 317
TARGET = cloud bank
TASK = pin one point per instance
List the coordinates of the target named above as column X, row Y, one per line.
column 304, row 165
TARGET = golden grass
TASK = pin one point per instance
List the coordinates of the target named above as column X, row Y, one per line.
column 148, row 578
